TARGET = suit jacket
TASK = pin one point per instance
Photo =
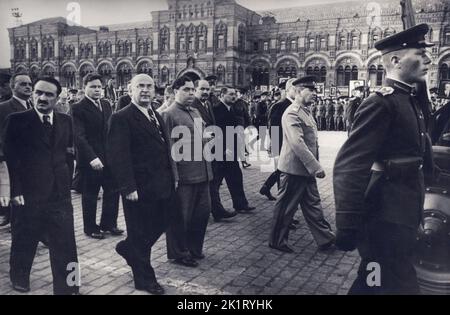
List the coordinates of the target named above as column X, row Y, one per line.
column 123, row 101
column 8, row 107
column 206, row 113
column 139, row 159
column 300, row 151
column 275, row 114
column 37, row 165
column 224, row 118
column 90, row 131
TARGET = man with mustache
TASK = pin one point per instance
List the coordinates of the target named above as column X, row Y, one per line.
column 90, row 119
column 21, row 87
column 379, row 171
column 35, row 147
column 146, row 175
column 299, row 167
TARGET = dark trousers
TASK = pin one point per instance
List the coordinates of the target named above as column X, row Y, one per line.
column 146, row 221
column 92, row 181
column 187, row 229
column 273, row 179
column 295, row 190
column 232, row 173
column 391, row 246
column 28, row 226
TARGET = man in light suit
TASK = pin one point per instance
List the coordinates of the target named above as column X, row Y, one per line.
column 90, row 118
column 139, row 155
column 21, row 87
column 35, row 146
column 299, row 168
column 186, row 233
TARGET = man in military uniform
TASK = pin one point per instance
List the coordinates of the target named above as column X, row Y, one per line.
column 353, row 106
column 379, row 171
column 299, row 167
column 338, row 114
column 329, row 113
column 320, row 115
column 261, row 119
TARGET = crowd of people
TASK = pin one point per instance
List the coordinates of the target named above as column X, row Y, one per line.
column 55, row 141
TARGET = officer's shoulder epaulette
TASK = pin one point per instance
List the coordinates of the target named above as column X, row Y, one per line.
column 385, row 90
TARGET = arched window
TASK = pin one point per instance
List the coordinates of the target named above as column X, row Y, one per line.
column 323, row 43
column 164, row 75
column 68, row 77
column 164, row 40
column 309, row 71
column 140, row 47
column 49, row 71
column 221, row 36
column 85, row 69
column 221, row 74
column 201, row 37
column 107, row 49
column 124, row 74
column 354, row 73
column 322, row 75
column 340, row 79
column 380, row 75
column 119, row 48
column 343, row 41
column 311, row 43
column 260, row 76
column 100, row 49
column 146, row 68
column 33, row 49
column 293, row 46
column 355, row 35
column 105, row 71
column 444, row 73
column 240, row 76
column 82, row 51
column 241, row 37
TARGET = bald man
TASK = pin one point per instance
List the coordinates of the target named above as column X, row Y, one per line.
column 139, row 147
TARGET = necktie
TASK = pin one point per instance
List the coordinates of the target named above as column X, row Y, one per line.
column 155, row 121
column 29, row 104
column 47, row 122
column 98, row 104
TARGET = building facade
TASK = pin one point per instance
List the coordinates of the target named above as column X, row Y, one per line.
column 241, row 47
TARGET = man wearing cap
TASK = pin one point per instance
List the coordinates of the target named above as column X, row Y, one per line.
column 353, row 106
column 329, row 113
column 320, row 116
column 299, row 168
column 241, row 111
column 379, row 171
column 274, row 121
column 261, row 119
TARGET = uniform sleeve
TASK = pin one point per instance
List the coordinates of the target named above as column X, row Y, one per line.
column 352, row 169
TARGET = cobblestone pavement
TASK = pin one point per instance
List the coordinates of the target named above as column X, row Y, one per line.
column 238, row 259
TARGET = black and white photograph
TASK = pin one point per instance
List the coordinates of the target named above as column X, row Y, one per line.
column 225, row 148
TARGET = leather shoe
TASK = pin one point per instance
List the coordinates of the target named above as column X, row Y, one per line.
column 225, row 215
column 265, row 191
column 245, row 209
column 326, row 246
column 122, row 250
column 114, row 231
column 199, row 257
column 186, row 261
column 245, row 164
column 20, row 288
column 284, row 248
column 96, row 235
column 4, row 220
column 154, row 288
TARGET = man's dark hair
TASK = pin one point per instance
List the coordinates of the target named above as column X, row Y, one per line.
column 12, row 80
column 181, row 81
column 225, row 89
column 91, row 77
column 50, row 80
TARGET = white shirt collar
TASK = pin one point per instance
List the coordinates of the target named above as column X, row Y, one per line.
column 21, row 101
column 41, row 116
column 92, row 100
column 400, row 81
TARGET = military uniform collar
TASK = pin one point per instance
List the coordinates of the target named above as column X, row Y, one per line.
column 186, row 108
column 402, row 86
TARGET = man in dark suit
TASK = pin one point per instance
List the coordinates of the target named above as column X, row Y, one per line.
column 202, row 104
column 21, row 87
column 261, row 119
column 140, row 160
column 274, row 121
column 36, row 143
column 228, row 167
column 90, row 119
